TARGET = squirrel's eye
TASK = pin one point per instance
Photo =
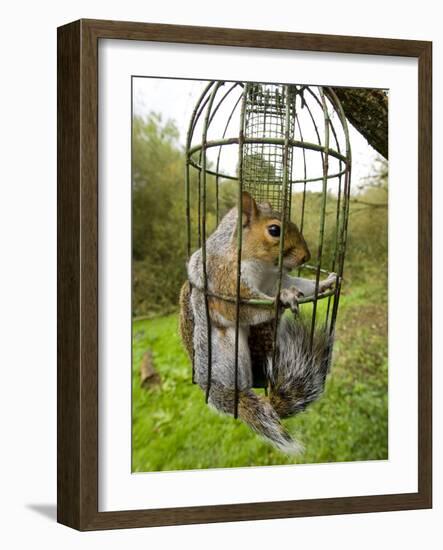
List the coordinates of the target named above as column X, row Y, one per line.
column 274, row 230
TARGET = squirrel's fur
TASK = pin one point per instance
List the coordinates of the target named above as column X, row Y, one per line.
column 298, row 374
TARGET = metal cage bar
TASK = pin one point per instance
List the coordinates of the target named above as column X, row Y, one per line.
column 345, row 209
column 239, row 247
column 203, row 235
column 325, row 159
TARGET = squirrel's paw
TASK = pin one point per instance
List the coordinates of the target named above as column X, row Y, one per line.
column 289, row 297
column 328, row 283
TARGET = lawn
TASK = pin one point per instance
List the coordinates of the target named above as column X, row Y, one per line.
column 173, row 428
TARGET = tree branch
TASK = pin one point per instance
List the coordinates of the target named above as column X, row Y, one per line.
column 367, row 110
column 373, row 204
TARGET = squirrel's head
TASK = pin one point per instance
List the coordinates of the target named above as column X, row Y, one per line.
column 262, row 232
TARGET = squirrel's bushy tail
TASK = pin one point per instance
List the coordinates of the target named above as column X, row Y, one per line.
column 298, row 377
column 296, row 380
column 258, row 413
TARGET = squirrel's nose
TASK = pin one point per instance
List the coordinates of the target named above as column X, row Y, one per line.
column 306, row 257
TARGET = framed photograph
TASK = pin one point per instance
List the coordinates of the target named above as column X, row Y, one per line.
column 244, row 275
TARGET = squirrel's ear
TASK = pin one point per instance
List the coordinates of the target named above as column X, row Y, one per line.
column 249, row 208
column 266, row 205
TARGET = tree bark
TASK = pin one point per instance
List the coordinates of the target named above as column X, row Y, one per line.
column 367, row 110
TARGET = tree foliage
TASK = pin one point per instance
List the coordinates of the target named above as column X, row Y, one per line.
column 158, row 223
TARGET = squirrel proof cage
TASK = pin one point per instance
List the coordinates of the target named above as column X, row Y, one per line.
column 287, row 145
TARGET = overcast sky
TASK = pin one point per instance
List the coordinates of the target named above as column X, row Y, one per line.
column 175, row 99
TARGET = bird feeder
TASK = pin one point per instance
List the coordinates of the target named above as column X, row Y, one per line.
column 286, row 145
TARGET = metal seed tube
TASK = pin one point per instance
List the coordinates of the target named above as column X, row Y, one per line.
column 283, row 226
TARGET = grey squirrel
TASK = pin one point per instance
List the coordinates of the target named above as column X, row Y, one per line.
column 297, row 374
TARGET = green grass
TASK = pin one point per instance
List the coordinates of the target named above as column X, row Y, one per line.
column 173, row 428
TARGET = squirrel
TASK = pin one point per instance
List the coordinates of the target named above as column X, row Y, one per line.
column 297, row 371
